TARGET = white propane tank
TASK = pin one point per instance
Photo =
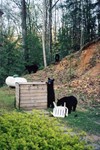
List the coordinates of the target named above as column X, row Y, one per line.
column 11, row 81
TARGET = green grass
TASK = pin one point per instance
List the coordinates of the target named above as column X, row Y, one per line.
column 7, row 98
column 86, row 120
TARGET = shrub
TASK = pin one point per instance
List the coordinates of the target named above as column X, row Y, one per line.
column 35, row 131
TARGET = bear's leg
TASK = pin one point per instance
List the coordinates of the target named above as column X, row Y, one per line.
column 52, row 106
column 69, row 109
column 74, row 107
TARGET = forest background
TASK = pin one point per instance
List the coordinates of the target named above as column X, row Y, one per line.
column 33, row 32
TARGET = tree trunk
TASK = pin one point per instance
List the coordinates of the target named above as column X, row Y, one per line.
column 50, row 28
column 24, row 29
column 81, row 27
column 44, row 33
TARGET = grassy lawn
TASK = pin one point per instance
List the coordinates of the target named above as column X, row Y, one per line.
column 83, row 120
column 87, row 120
column 7, row 97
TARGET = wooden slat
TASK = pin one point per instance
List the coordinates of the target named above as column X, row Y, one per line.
column 31, row 83
column 33, row 87
column 33, row 105
column 34, row 101
column 29, row 97
column 32, row 94
column 25, row 91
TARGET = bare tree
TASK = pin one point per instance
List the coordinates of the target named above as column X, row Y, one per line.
column 44, row 33
column 50, row 28
column 47, row 29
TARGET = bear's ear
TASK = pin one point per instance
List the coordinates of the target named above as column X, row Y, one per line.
column 51, row 79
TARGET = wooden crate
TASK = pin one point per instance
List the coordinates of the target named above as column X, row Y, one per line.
column 31, row 95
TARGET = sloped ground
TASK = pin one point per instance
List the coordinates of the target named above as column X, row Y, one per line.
column 77, row 74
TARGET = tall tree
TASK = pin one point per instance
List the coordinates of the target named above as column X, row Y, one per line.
column 44, row 32
column 24, row 29
column 50, row 28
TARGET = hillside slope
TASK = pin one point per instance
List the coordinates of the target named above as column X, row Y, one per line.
column 77, row 74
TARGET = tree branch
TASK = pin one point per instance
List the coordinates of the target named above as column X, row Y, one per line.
column 54, row 4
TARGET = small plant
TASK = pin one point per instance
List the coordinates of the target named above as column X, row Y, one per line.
column 35, row 131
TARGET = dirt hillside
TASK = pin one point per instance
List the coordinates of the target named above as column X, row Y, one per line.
column 77, row 74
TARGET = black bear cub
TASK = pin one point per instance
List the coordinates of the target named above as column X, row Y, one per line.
column 70, row 101
column 57, row 58
column 50, row 93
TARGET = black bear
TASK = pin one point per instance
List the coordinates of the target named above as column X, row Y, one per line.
column 31, row 68
column 70, row 101
column 50, row 93
column 57, row 58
